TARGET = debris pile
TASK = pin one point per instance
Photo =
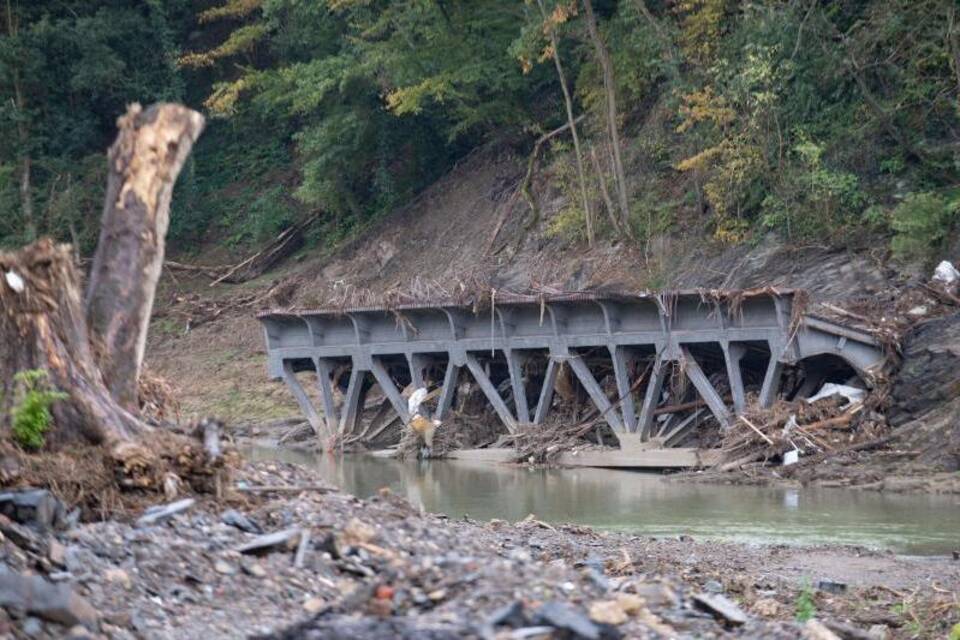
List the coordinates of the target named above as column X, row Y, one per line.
column 837, row 418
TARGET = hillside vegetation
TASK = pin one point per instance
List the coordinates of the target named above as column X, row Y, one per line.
column 815, row 120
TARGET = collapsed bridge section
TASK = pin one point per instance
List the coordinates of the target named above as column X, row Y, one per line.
column 655, row 366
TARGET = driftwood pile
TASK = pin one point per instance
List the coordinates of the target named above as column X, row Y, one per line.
column 829, row 425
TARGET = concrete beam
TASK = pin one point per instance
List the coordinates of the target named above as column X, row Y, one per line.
column 771, row 381
column 350, row 410
column 491, row 392
column 546, row 391
column 515, row 367
column 706, row 390
column 651, row 398
column 732, row 354
column 450, row 377
column 600, row 399
column 390, row 389
column 621, row 368
column 324, row 374
column 302, row 398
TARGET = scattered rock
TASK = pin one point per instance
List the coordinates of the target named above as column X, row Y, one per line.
column 816, row 630
column 32, row 627
column 511, row 615
column 358, row 531
column 224, row 568
column 608, row 612
column 20, row 535
column 57, row 553
column 767, row 607
column 162, row 512
column 37, row 508
column 254, row 569
column 314, row 605
column 285, row 540
column 831, row 586
column 35, row 595
column 236, row 519
column 118, row 576
column 630, row 603
column 722, row 607
column 565, row 617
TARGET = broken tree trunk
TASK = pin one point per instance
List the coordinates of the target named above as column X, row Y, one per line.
column 42, row 326
column 144, row 163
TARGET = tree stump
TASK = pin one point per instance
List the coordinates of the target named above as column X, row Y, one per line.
column 42, row 326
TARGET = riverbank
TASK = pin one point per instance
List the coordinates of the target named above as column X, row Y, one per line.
column 379, row 567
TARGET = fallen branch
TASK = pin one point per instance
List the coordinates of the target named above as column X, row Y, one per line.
column 277, row 249
column 744, row 420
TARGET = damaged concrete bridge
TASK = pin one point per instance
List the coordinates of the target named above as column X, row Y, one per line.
column 659, row 368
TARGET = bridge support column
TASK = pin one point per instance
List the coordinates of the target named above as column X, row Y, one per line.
column 651, row 398
column 732, row 354
column 621, row 368
column 515, row 362
column 350, row 410
column 607, row 410
column 324, row 374
column 491, row 392
column 546, row 391
column 302, row 398
column 706, row 390
column 450, row 378
column 389, row 389
column 418, row 363
column 771, row 380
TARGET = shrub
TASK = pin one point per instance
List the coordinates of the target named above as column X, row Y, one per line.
column 921, row 223
column 31, row 414
column 805, row 607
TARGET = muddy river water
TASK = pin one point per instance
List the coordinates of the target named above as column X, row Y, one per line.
column 646, row 504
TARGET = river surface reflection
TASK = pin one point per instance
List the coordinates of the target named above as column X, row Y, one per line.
column 645, row 504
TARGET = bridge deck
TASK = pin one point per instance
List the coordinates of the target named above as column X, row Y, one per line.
column 515, row 346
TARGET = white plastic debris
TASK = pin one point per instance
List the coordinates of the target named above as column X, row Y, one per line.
column 918, row 311
column 791, row 457
column 416, row 399
column 15, row 281
column 790, row 425
column 946, row 273
column 852, row 394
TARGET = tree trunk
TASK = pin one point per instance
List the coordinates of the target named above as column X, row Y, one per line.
column 143, row 165
column 610, row 91
column 568, row 102
column 42, row 326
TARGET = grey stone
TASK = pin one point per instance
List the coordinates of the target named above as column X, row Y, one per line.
column 560, row 615
column 236, row 519
column 831, row 586
column 32, row 627
column 37, row 508
column 721, row 607
column 162, row 512
column 285, row 539
column 37, row 596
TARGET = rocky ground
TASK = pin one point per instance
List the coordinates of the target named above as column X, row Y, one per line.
column 334, row 566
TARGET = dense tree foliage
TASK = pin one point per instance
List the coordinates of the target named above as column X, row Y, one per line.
column 809, row 118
